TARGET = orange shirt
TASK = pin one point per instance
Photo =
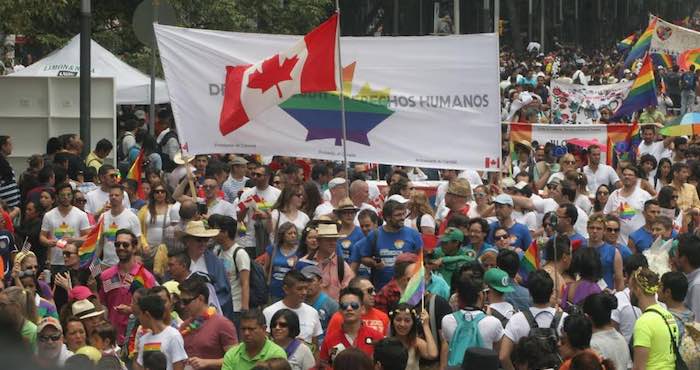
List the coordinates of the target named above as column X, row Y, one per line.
column 375, row 319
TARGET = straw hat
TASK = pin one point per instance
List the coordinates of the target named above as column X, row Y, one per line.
column 198, row 230
column 459, row 187
column 181, row 158
column 328, row 230
column 84, row 309
column 346, row 205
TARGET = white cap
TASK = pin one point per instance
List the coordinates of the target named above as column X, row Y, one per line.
column 398, row 198
column 335, row 182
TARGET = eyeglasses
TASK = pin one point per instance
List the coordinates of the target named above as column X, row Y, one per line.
column 501, row 237
column 612, row 230
column 280, row 324
column 122, row 244
column 370, row 290
column 46, row 338
column 186, row 301
column 354, row 305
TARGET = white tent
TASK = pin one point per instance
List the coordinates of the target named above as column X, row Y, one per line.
column 133, row 86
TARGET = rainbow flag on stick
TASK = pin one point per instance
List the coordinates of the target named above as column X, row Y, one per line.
column 530, row 260
column 641, row 47
column 689, row 57
column 627, row 42
column 662, row 59
column 415, row 289
column 643, row 91
column 86, row 251
column 136, row 173
column 141, row 280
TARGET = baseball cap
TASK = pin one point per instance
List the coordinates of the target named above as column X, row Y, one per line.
column 452, row 234
column 49, row 321
column 504, row 199
column 507, row 182
column 397, row 198
column 80, row 292
column 498, row 280
column 335, row 182
column 239, row 160
column 311, row 271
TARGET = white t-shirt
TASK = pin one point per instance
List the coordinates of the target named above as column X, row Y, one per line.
column 518, row 327
column 528, row 219
column 584, row 203
column 97, row 198
column 75, row 222
column 542, row 206
column 174, row 213
column 309, row 322
column 426, row 220
column 125, row 220
column 489, row 327
column 199, row 265
column 155, row 230
column 243, row 263
column 629, row 209
column 324, row 208
column 169, row 341
column 278, row 218
column 625, row 315
column 504, row 308
column 221, row 207
column 302, row 358
column 255, row 198
column 604, row 175
column 657, row 149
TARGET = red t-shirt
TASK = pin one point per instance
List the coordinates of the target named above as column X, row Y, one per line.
column 443, row 225
column 374, row 319
column 336, row 341
column 211, row 339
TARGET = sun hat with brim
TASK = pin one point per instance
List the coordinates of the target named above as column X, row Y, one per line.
column 181, row 158
column 498, row 280
column 198, row 230
column 172, row 286
column 328, row 230
column 84, row 309
column 397, row 198
column 49, row 321
column 452, row 234
column 346, row 205
column 524, row 143
column 459, row 187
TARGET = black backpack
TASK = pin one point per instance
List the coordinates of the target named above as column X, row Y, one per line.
column 547, row 337
column 168, row 163
column 121, row 157
column 257, row 282
column 504, row 320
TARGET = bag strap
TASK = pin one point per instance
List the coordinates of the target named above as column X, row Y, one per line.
column 431, row 313
column 530, row 319
column 235, row 253
column 499, row 316
column 555, row 321
column 670, row 332
column 292, row 347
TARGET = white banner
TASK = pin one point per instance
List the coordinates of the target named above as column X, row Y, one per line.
column 579, row 104
column 415, row 101
column 560, row 135
column 673, row 40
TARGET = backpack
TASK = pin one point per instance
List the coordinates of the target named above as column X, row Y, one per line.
column 120, row 147
column 168, row 163
column 504, row 320
column 466, row 336
column 548, row 338
column 257, row 282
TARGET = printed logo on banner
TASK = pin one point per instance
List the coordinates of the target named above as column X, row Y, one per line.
column 490, row 162
column 319, row 113
column 664, row 32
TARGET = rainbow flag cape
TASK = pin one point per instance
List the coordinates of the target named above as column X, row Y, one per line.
column 643, row 91
column 415, row 289
column 530, row 260
column 86, row 251
column 627, row 42
column 140, row 280
column 136, row 173
column 641, row 47
column 662, row 59
column 689, row 57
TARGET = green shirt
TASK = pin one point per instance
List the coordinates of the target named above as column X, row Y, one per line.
column 237, row 358
column 651, row 332
column 29, row 334
column 452, row 264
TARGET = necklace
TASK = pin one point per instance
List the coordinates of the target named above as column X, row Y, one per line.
column 193, row 325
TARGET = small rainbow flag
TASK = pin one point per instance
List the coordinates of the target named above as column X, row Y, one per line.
column 415, row 289
column 689, row 57
column 642, row 45
column 626, row 211
column 662, row 59
column 136, row 173
column 530, row 260
column 627, row 42
column 643, row 91
column 151, row 347
column 86, row 251
column 141, row 280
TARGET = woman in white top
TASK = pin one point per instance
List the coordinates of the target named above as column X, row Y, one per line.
column 420, row 213
column 404, row 327
column 482, row 207
column 284, row 329
column 287, row 209
column 154, row 218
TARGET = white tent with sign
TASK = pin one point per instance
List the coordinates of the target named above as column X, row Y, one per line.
column 133, row 86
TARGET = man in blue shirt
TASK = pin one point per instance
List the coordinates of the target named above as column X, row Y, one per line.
column 567, row 216
column 509, row 261
column 380, row 247
column 504, row 209
column 642, row 239
column 688, row 83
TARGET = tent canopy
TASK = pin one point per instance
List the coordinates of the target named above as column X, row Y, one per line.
column 133, row 86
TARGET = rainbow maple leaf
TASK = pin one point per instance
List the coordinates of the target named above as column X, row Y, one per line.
column 272, row 74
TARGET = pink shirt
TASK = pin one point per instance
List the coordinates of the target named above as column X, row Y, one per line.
column 117, row 290
column 330, row 282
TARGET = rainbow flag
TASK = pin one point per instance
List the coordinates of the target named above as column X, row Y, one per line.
column 643, row 91
column 141, row 280
column 662, row 59
column 136, row 173
column 530, row 260
column 626, row 211
column 641, row 47
column 415, row 289
column 86, row 252
column 627, row 42
column 689, row 57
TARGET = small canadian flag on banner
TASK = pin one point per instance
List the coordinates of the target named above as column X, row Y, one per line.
column 309, row 66
column 490, row 162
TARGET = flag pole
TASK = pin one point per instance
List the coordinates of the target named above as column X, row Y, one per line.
column 342, row 97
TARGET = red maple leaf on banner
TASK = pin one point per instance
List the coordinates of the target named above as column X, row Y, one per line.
column 272, row 74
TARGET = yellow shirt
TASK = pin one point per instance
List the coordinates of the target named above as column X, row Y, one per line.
column 687, row 197
column 94, row 161
column 651, row 332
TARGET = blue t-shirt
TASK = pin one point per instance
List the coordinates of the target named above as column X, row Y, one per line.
column 326, row 307
column 520, row 297
column 642, row 239
column 607, row 259
column 522, row 234
column 388, row 246
column 625, row 251
column 281, row 265
column 346, row 245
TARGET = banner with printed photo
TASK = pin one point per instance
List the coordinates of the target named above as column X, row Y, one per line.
column 579, row 104
column 438, row 108
column 672, row 40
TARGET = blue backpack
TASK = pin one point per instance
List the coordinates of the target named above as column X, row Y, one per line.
column 465, row 336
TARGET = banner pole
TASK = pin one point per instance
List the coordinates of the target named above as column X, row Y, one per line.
column 342, row 98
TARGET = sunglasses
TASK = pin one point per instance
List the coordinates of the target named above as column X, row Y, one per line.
column 159, row 191
column 370, row 290
column 674, row 197
column 552, row 186
column 612, row 230
column 280, row 324
column 354, row 305
column 501, row 237
column 569, row 162
column 46, row 338
column 186, row 301
column 80, row 200
column 122, row 244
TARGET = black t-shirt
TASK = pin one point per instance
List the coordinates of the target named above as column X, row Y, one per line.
column 442, row 309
